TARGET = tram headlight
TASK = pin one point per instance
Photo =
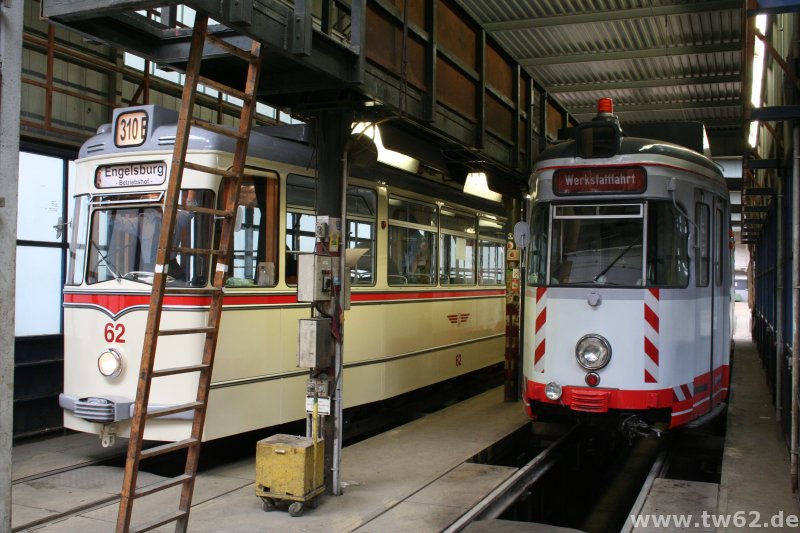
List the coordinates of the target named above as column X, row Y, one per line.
column 593, row 352
column 552, row 390
column 110, row 363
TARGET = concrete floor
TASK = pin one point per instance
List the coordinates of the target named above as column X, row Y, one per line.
column 408, row 479
column 755, row 468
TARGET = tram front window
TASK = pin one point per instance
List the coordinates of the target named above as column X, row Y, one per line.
column 597, row 245
column 123, row 241
column 604, row 245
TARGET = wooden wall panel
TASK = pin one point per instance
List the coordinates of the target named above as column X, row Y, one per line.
column 456, row 36
column 385, row 48
column 498, row 72
column 416, row 10
column 455, row 90
column 499, row 118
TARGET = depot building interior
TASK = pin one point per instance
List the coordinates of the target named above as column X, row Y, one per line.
column 438, row 95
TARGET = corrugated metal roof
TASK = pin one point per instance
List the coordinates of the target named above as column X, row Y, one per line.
column 660, row 60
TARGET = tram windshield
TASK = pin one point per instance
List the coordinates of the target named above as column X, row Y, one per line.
column 123, row 241
column 625, row 245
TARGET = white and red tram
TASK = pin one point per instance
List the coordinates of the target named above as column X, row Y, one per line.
column 628, row 290
column 427, row 300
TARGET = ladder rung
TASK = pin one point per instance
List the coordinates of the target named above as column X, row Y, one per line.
column 224, row 88
column 179, row 370
column 149, row 526
column 205, row 210
column 175, row 409
column 211, row 170
column 168, row 447
column 187, row 331
column 231, row 49
column 162, row 485
column 199, row 251
column 216, row 128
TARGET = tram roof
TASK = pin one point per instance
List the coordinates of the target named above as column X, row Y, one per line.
column 637, row 146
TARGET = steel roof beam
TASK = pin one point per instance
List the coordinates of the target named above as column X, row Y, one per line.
column 606, row 16
column 644, row 84
column 702, row 49
column 70, row 10
column 786, row 112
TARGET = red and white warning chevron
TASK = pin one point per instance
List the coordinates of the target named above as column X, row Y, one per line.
column 540, row 330
column 651, row 335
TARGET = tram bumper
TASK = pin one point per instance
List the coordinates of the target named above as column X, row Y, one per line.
column 110, row 409
column 95, row 409
column 602, row 400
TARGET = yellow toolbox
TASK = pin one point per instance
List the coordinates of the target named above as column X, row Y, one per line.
column 289, row 468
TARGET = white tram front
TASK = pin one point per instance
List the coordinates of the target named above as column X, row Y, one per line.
column 627, row 299
column 427, row 302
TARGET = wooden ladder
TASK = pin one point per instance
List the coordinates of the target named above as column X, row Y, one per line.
column 230, row 194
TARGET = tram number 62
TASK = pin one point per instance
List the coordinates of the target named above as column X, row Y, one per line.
column 114, row 332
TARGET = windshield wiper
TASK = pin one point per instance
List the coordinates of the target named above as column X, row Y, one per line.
column 104, row 257
column 612, row 263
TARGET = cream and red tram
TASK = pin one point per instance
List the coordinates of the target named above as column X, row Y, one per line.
column 627, row 298
column 427, row 298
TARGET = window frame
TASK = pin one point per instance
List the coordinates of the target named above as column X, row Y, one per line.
column 453, row 233
column 432, row 228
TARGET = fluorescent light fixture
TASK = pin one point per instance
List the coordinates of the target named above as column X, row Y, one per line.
column 759, row 55
column 386, row 156
column 477, row 185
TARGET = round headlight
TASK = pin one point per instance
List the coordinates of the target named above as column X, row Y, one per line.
column 552, row 390
column 110, row 363
column 593, row 352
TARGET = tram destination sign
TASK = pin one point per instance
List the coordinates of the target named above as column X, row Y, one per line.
column 130, row 175
column 600, row 180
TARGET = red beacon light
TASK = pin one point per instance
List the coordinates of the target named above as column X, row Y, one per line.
column 605, row 106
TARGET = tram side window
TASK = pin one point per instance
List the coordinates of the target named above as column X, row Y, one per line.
column 701, row 213
column 412, row 242
column 361, row 214
column 537, row 249
column 301, row 205
column 667, row 246
column 491, row 251
column 457, row 248
column 255, row 241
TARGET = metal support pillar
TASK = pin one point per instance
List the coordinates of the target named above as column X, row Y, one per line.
column 795, row 300
column 515, row 298
column 332, row 134
column 779, row 281
column 11, row 17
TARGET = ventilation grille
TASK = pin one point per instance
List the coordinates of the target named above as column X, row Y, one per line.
column 590, row 401
column 97, row 410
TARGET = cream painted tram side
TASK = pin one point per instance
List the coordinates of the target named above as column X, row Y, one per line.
column 628, row 290
column 427, row 301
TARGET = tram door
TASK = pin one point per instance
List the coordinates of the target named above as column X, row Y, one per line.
column 704, row 298
column 720, row 319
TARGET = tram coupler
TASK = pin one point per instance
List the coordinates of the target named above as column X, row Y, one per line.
column 108, row 435
column 633, row 426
